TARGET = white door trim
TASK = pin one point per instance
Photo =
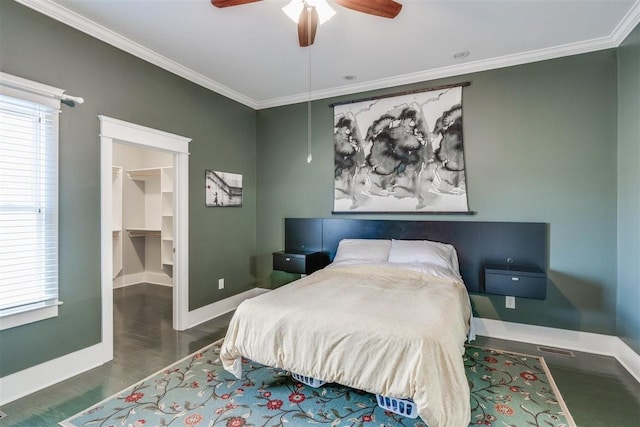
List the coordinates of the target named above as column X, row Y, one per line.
column 118, row 131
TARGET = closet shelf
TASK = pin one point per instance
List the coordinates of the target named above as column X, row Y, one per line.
column 116, row 219
column 143, row 174
column 143, row 232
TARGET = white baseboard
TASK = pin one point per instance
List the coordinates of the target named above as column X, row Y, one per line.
column 143, row 277
column 156, row 278
column 30, row 380
column 128, row 279
column 588, row 342
column 211, row 311
column 628, row 358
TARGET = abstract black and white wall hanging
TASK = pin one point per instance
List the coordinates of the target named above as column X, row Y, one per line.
column 222, row 189
column 401, row 153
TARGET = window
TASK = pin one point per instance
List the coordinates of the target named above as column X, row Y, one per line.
column 28, row 201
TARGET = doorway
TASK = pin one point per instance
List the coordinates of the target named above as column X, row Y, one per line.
column 114, row 131
column 142, row 188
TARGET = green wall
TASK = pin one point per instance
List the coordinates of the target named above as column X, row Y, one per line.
column 540, row 145
column 628, row 311
column 116, row 84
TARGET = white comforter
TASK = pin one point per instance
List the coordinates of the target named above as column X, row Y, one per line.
column 377, row 328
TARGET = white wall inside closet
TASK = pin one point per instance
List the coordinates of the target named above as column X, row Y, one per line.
column 147, row 216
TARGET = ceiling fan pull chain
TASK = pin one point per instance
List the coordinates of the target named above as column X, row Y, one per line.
column 309, row 156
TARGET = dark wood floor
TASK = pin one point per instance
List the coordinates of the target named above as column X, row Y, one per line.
column 144, row 343
column 597, row 390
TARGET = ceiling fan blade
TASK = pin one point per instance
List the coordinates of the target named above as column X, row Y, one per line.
column 227, row 3
column 307, row 26
column 384, row 8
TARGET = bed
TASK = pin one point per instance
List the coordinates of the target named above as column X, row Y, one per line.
column 389, row 317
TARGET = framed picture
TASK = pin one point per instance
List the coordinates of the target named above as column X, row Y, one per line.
column 222, row 189
column 401, row 153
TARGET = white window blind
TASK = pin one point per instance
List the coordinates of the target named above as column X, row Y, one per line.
column 28, row 206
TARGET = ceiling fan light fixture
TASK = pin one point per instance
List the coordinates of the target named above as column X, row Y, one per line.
column 294, row 8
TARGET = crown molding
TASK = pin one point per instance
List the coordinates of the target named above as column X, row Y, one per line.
column 87, row 26
column 68, row 17
column 626, row 25
column 457, row 70
column 615, row 39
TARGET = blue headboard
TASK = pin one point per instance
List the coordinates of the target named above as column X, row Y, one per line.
column 477, row 243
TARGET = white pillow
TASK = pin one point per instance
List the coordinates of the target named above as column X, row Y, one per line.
column 362, row 250
column 430, row 269
column 424, row 252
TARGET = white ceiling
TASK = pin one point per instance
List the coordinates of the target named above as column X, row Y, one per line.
column 250, row 53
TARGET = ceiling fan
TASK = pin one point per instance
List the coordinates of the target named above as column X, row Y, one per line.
column 308, row 19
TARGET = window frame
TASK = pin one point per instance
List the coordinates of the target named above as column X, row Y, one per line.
column 48, row 96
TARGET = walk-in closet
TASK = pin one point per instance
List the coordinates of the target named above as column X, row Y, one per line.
column 142, row 189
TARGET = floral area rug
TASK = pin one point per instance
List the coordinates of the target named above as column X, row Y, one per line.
column 507, row 389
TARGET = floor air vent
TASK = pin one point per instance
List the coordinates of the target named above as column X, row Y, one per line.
column 556, row 351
